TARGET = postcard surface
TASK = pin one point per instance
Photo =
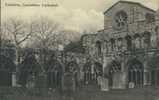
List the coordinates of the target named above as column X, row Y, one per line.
column 79, row 50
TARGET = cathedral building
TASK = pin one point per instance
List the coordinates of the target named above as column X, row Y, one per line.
column 128, row 46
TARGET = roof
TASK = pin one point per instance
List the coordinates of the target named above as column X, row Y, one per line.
column 130, row 2
column 86, row 35
column 75, row 47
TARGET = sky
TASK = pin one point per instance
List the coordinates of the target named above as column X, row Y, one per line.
column 78, row 15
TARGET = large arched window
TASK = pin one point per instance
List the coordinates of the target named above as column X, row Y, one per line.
column 119, row 43
column 99, row 47
column 106, row 46
column 114, row 67
column 128, row 42
column 135, row 72
column 157, row 35
column 147, row 39
column 153, row 64
column 137, row 41
column 112, row 41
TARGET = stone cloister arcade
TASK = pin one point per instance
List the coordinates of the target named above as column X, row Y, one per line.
column 126, row 55
column 127, row 43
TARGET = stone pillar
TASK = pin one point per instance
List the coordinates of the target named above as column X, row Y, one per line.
column 14, row 80
column 142, row 42
column 104, row 84
column 124, row 71
column 141, row 78
column 156, row 78
column 106, row 61
column 146, row 75
column 119, row 80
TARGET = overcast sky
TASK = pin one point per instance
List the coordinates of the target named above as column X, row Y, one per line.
column 78, row 15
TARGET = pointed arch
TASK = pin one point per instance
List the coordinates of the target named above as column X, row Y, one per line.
column 135, row 72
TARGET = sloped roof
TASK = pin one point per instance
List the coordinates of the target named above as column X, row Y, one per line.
column 130, row 2
column 75, row 47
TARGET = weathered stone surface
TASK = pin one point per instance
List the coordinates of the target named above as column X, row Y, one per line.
column 133, row 44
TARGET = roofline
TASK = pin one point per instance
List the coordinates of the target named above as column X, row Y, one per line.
column 88, row 35
column 85, row 35
column 100, row 30
column 131, row 3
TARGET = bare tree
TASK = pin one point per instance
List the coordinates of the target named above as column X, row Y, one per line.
column 1, row 35
column 18, row 31
column 44, row 38
column 46, row 32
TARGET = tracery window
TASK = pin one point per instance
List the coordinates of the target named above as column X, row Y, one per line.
column 128, row 42
column 137, row 41
column 99, row 47
column 120, row 20
column 112, row 41
column 147, row 39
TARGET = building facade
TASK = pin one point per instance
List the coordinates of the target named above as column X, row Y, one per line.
column 128, row 46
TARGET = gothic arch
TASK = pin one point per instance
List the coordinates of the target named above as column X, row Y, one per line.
column 135, row 72
column 120, row 43
column 128, row 39
column 99, row 68
column 99, row 47
column 112, row 41
column 147, row 39
column 113, row 67
column 153, row 64
column 137, row 41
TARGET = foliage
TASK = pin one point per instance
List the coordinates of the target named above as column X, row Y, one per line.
column 27, row 68
column 6, row 64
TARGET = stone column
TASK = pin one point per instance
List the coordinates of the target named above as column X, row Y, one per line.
column 145, row 77
column 146, row 74
column 124, row 73
column 14, row 80
column 106, row 60
column 141, row 78
column 156, row 78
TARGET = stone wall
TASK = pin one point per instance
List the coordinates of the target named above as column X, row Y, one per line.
column 138, row 40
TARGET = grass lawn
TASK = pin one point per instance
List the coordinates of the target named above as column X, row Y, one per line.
column 130, row 94
column 85, row 93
